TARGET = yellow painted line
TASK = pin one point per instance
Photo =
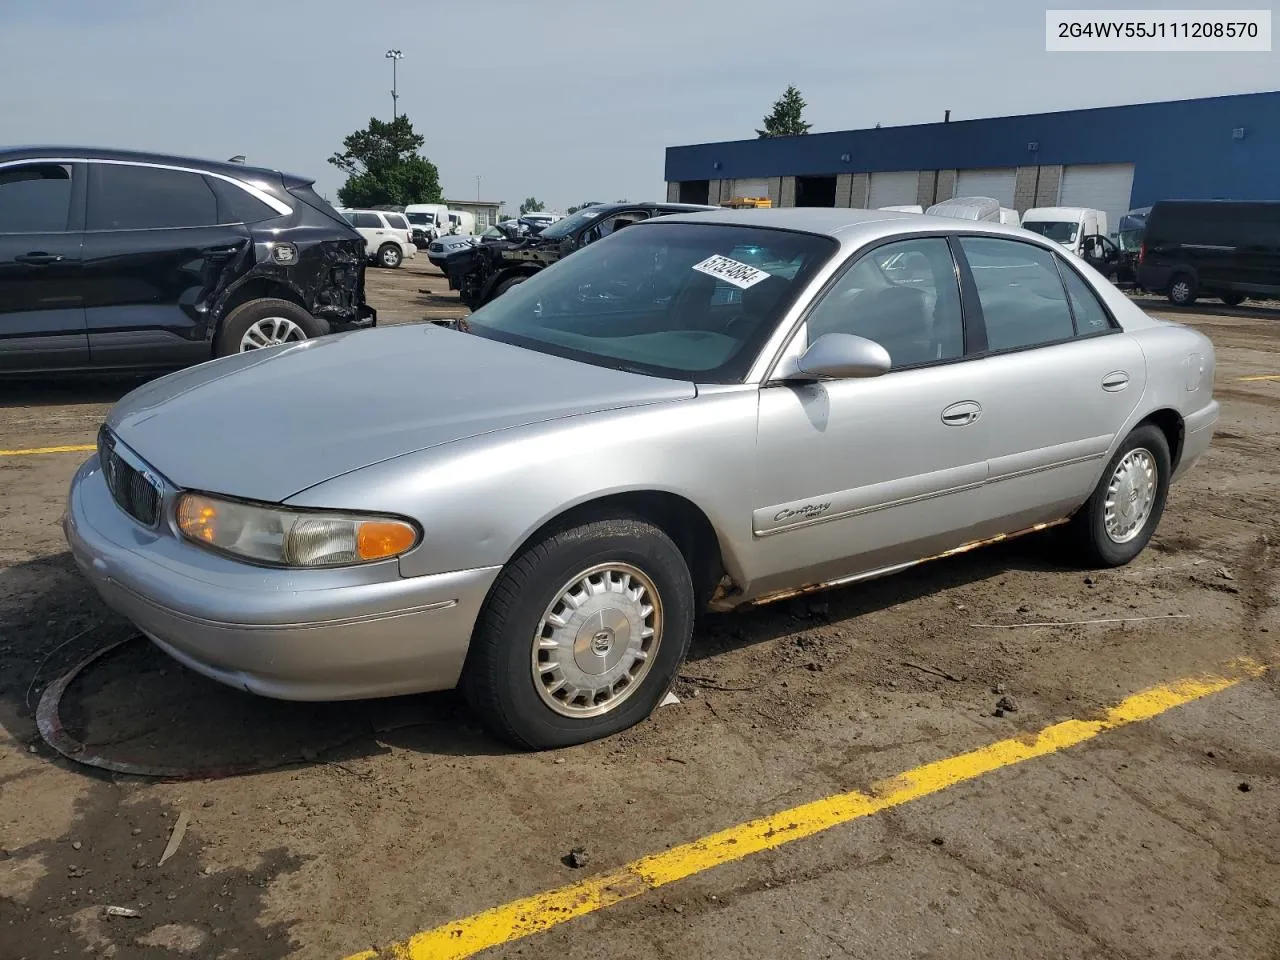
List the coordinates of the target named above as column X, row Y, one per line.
column 1270, row 376
column 530, row 915
column 74, row 448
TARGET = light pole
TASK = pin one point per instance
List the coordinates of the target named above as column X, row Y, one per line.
column 477, row 188
column 393, row 56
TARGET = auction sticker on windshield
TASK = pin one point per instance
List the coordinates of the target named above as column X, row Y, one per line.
column 741, row 275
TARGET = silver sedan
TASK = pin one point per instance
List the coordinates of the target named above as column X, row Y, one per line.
column 702, row 411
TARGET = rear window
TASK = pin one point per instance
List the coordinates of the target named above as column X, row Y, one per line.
column 397, row 220
column 1214, row 224
column 316, row 202
column 237, row 205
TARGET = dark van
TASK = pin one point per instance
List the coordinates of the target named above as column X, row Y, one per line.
column 1211, row 248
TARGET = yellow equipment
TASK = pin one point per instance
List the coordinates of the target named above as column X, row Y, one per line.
column 747, row 203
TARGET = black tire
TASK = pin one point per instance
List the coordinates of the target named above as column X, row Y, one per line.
column 1113, row 277
column 390, row 256
column 1182, row 290
column 1094, row 546
column 498, row 679
column 506, row 285
column 1233, row 299
column 247, row 315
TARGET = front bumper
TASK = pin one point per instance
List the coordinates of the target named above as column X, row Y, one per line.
column 290, row 634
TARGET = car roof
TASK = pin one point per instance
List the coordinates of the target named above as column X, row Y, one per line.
column 848, row 225
column 242, row 171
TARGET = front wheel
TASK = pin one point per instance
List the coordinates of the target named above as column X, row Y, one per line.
column 390, row 255
column 582, row 635
column 1117, row 522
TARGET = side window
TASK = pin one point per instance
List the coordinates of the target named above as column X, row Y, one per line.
column 1023, row 302
column 370, row 221
column 35, row 198
column 1091, row 316
column 397, row 220
column 606, row 225
column 125, row 197
column 236, row 205
column 902, row 295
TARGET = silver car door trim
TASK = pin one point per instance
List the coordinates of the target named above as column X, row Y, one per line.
column 861, row 500
column 1048, row 458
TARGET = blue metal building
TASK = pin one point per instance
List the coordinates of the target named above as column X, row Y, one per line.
column 1113, row 158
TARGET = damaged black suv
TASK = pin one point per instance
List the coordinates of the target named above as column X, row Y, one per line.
column 120, row 260
column 484, row 271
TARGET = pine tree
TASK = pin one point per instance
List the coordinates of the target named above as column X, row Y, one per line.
column 787, row 119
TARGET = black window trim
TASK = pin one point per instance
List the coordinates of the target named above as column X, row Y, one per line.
column 1060, row 263
column 802, row 324
column 76, row 203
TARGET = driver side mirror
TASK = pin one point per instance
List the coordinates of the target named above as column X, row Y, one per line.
column 838, row 356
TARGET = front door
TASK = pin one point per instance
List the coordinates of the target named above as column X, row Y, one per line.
column 42, row 320
column 1059, row 381
column 855, row 476
column 155, row 257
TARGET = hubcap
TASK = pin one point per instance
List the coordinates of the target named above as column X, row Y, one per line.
column 390, row 257
column 597, row 640
column 270, row 332
column 1130, row 495
column 1181, row 290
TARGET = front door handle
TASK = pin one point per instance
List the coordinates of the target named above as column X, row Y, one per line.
column 962, row 413
column 219, row 253
column 1115, row 381
column 37, row 258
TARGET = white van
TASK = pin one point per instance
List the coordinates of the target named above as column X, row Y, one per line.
column 1010, row 217
column 461, row 223
column 904, row 208
column 428, row 220
column 967, row 208
column 1069, row 226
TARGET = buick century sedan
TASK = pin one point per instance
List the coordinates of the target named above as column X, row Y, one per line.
column 703, row 411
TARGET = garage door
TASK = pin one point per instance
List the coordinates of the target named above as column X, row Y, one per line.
column 753, row 187
column 997, row 184
column 1103, row 186
column 892, row 189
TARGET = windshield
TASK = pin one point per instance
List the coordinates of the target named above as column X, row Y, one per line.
column 1062, row 231
column 562, row 228
column 422, row 219
column 685, row 300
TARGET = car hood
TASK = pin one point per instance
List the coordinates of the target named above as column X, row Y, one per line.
column 268, row 424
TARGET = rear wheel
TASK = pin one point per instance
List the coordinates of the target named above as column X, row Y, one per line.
column 581, row 636
column 1117, row 522
column 506, row 285
column 1182, row 290
column 1233, row 299
column 265, row 323
column 390, row 255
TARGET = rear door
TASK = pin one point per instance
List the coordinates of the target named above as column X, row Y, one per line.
column 42, row 322
column 155, row 258
column 369, row 225
column 1059, row 380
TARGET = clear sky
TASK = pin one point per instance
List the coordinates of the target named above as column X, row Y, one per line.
column 567, row 100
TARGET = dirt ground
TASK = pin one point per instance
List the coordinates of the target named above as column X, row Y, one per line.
column 367, row 822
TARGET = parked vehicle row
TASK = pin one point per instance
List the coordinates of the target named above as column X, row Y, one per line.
column 388, row 238
column 895, row 388
column 489, row 269
column 124, row 260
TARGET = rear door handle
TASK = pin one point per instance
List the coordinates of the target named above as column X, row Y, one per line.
column 962, row 413
column 1115, row 381
column 37, row 258
column 219, row 253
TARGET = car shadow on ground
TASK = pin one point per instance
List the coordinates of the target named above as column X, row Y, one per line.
column 136, row 705
column 68, row 391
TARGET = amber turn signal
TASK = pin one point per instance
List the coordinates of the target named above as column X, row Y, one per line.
column 376, row 539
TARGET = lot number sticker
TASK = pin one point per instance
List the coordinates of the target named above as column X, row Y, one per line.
column 741, row 275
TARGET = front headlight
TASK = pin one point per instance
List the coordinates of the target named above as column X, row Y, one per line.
column 291, row 538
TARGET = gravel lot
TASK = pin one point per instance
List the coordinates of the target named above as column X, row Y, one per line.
column 369, row 822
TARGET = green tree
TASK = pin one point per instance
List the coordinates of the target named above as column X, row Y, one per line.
column 383, row 166
column 532, row 205
column 787, row 118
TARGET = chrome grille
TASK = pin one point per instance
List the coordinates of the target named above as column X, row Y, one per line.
column 132, row 487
